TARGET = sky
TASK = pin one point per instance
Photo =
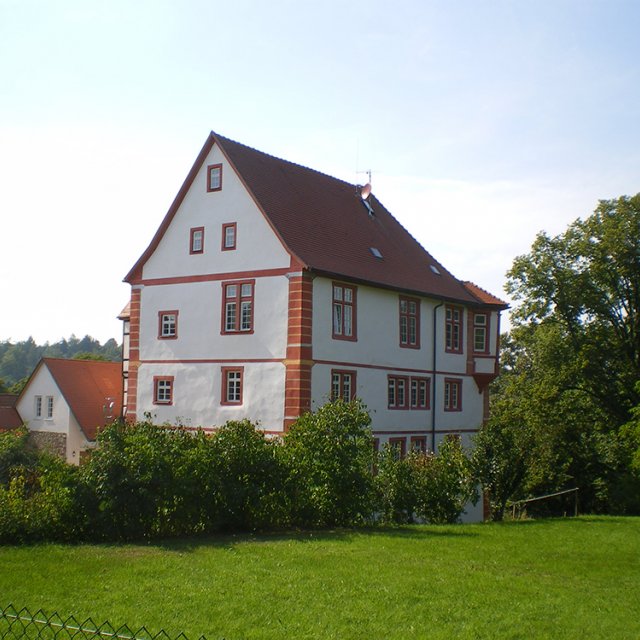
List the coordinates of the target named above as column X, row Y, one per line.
column 483, row 122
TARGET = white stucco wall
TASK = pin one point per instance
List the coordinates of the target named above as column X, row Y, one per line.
column 62, row 422
column 257, row 246
column 376, row 354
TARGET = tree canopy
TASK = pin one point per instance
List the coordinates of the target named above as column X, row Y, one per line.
column 570, row 367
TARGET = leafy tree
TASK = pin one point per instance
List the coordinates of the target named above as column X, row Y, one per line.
column 570, row 365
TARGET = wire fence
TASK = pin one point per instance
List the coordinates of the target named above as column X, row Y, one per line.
column 23, row 624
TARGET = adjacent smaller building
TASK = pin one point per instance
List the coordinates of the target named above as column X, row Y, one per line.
column 9, row 416
column 65, row 402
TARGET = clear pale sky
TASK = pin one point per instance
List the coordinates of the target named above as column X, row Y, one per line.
column 483, row 122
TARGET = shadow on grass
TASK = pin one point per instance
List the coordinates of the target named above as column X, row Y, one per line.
column 409, row 532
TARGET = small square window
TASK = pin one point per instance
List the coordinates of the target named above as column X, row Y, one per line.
column 214, row 177
column 163, row 390
column 229, row 232
column 167, row 324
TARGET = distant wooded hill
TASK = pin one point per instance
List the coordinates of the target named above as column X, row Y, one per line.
column 18, row 359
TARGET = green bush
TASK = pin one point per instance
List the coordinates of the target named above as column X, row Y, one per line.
column 444, row 483
column 329, row 457
column 42, row 503
column 14, row 453
column 395, row 486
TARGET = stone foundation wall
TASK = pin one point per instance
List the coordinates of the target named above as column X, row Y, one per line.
column 55, row 443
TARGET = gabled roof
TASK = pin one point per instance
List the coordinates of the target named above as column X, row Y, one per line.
column 86, row 386
column 9, row 416
column 324, row 224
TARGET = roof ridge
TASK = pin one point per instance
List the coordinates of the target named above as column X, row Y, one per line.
column 289, row 162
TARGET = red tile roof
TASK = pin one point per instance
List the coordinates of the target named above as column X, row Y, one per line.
column 323, row 223
column 86, row 385
column 484, row 296
column 9, row 416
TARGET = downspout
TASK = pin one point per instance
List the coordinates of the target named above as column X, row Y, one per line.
column 433, row 368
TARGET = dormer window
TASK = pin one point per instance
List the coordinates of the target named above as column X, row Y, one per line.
column 376, row 252
column 214, row 177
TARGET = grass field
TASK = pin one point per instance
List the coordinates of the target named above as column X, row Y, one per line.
column 573, row 578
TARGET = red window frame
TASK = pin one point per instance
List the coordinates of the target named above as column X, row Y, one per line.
column 400, row 444
column 409, row 322
column 163, row 384
column 419, row 393
column 398, row 392
column 418, row 444
column 161, row 324
column 214, row 169
column 225, row 227
column 453, row 329
column 481, row 329
column 236, row 322
column 192, row 240
column 452, row 394
column 344, row 311
column 339, row 387
column 227, row 380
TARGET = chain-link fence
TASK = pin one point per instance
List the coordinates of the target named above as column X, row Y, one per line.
column 21, row 623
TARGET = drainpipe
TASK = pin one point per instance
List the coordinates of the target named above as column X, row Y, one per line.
column 433, row 402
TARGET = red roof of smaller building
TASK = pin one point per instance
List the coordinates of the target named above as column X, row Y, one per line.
column 484, row 296
column 88, row 386
column 9, row 416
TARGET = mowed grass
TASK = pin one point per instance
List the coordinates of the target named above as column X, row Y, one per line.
column 573, row 578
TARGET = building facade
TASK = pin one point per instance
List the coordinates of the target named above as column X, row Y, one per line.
column 270, row 289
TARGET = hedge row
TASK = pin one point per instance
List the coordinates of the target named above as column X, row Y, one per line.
column 145, row 481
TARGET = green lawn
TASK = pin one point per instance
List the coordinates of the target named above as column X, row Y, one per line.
column 574, row 578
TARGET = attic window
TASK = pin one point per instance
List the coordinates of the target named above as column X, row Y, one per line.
column 435, row 269
column 214, row 177
column 376, row 252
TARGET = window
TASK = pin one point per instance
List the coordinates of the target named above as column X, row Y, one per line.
column 232, row 385
column 237, row 308
column 409, row 322
column 407, row 393
column 397, row 392
column 452, row 394
column 419, row 444
column 49, row 407
column 38, row 407
column 480, row 333
column 214, row 177
column 420, row 393
column 163, row 390
column 167, row 325
column 399, row 446
column 453, row 331
column 196, row 240
column 343, row 385
column 344, row 312
column 229, row 236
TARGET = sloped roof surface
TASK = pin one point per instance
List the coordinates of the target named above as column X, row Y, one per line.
column 9, row 416
column 484, row 296
column 323, row 222
column 85, row 385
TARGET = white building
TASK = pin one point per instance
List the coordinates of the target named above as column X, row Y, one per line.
column 65, row 402
column 270, row 288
